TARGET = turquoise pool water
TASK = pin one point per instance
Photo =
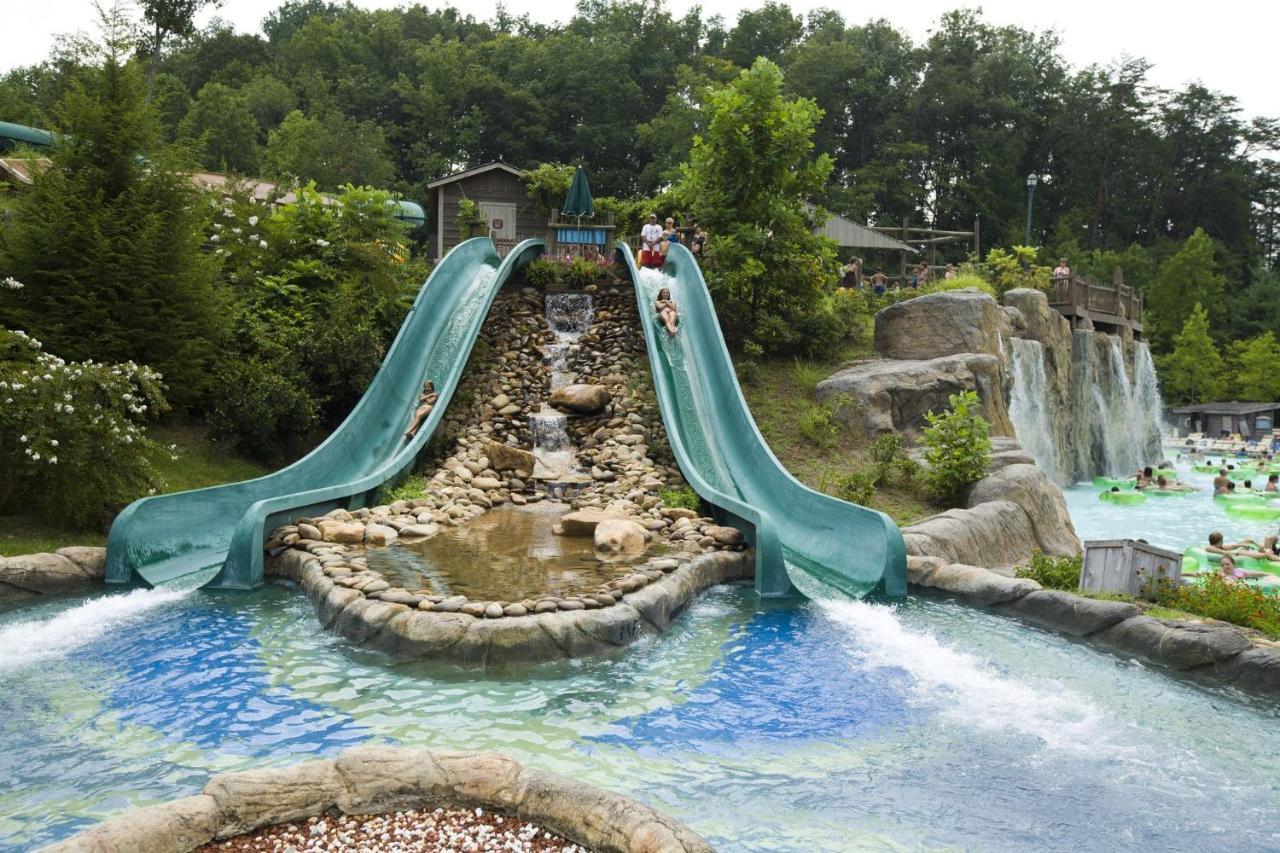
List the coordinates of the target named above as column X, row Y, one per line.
column 1173, row 522
column 838, row 726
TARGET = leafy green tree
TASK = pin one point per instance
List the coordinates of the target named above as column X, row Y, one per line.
column 747, row 181
column 331, row 150
column 166, row 19
column 108, row 246
column 1187, row 279
column 269, row 100
column 1192, row 372
column 1255, row 369
column 222, row 130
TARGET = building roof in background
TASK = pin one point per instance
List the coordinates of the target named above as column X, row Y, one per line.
column 1231, row 408
column 848, row 234
column 478, row 170
column 20, row 169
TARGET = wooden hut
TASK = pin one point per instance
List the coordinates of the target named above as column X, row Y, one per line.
column 506, row 211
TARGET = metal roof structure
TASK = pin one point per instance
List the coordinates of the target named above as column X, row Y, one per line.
column 1231, row 408
column 487, row 167
column 848, row 234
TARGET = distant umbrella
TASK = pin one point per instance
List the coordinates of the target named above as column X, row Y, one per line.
column 578, row 202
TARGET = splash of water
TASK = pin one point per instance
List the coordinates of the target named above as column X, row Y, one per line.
column 969, row 691
column 34, row 640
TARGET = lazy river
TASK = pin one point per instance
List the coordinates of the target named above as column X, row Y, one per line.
column 827, row 726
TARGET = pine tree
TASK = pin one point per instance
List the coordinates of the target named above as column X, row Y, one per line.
column 109, row 244
column 1255, row 373
column 1192, row 372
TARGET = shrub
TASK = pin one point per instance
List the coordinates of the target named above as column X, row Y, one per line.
column 72, row 444
column 857, row 487
column 1220, row 598
column 468, row 216
column 412, row 486
column 807, row 374
column 818, row 425
column 1050, row 573
column 958, row 447
column 267, row 414
column 684, row 497
column 889, row 457
column 581, row 272
column 542, row 272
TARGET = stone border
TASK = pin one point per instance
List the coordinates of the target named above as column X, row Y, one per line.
column 33, row 575
column 1211, row 649
column 646, row 602
column 380, row 779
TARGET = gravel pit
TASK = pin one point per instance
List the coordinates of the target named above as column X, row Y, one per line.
column 402, row 832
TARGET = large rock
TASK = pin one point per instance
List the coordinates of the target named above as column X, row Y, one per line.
column 1042, row 323
column 42, row 574
column 171, row 827
column 263, row 797
column 581, row 399
column 894, row 396
column 1068, row 613
column 619, row 536
column 504, row 457
column 349, row 532
column 941, row 324
column 583, row 522
column 1027, row 486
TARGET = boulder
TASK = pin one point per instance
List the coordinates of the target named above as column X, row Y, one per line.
column 380, row 534
column 894, row 396
column 583, row 522
column 350, row 532
column 1070, row 614
column 92, row 561
column 486, row 483
column 940, row 324
column 419, row 531
column 39, row 574
column 581, row 399
column 1042, row 501
column 725, row 535
column 504, row 457
column 618, row 536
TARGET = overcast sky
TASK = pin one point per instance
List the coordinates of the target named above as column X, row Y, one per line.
column 1227, row 44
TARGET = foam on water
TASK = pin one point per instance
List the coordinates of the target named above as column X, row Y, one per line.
column 34, row 640
column 968, row 691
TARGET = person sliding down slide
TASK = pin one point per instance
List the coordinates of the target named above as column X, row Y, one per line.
column 426, row 402
column 666, row 308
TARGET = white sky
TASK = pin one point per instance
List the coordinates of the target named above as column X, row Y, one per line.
column 1224, row 44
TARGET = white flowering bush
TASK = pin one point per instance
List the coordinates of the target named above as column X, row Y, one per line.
column 72, row 442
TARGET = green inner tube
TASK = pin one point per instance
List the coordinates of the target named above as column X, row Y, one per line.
column 1205, row 469
column 1166, row 493
column 1116, row 482
column 1237, row 499
column 1245, row 474
column 1253, row 512
column 1124, row 498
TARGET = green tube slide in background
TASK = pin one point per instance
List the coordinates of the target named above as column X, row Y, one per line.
column 721, row 453
column 160, row 538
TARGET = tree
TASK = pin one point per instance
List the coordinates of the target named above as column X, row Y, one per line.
column 331, row 150
column 1255, row 369
column 109, row 246
column 222, row 130
column 1192, row 372
column 747, row 180
column 1187, row 279
column 168, row 18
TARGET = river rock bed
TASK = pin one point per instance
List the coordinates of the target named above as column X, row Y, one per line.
column 487, row 462
column 412, row 831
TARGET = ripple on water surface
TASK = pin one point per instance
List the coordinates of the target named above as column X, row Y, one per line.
column 820, row 727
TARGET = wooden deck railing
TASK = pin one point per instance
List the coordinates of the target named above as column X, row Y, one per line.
column 1116, row 300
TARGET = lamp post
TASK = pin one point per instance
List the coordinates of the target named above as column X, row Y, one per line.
column 1032, row 179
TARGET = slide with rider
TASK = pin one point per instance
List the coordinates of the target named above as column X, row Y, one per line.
column 853, row 549
column 158, row 539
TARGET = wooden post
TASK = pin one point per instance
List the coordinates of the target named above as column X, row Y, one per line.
column 977, row 243
column 903, row 264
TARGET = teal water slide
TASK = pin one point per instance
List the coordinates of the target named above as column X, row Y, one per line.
column 161, row 538
column 856, row 550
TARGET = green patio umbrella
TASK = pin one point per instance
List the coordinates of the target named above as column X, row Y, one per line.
column 578, row 202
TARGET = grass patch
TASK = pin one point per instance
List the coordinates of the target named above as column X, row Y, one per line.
column 778, row 400
column 200, row 463
column 411, row 487
column 807, row 374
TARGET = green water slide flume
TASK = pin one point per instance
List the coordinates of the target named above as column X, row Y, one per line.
column 856, row 550
column 158, row 539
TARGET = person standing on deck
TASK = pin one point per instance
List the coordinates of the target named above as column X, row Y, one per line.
column 650, row 237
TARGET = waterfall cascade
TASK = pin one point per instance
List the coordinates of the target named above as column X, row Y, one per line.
column 1091, row 408
column 568, row 316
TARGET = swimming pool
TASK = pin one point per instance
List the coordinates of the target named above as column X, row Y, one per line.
column 827, row 726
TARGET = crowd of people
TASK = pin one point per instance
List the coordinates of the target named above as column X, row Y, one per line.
column 918, row 276
column 657, row 239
